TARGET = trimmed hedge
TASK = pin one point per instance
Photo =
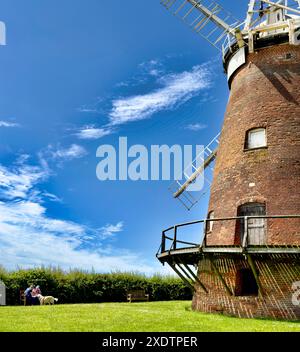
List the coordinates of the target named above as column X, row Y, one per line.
column 83, row 287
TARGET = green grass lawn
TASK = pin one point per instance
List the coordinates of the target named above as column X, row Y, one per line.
column 117, row 317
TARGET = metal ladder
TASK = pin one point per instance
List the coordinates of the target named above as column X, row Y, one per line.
column 207, row 18
column 181, row 189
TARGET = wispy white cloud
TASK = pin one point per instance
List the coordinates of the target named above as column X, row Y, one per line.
column 196, row 127
column 153, row 68
column 92, row 108
column 122, row 84
column 87, row 109
column 146, row 72
column 92, row 132
column 59, row 153
column 29, row 237
column 110, row 230
column 8, row 124
column 52, row 197
column 175, row 89
column 20, row 181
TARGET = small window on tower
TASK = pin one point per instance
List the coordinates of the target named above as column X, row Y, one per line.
column 210, row 223
column 256, row 138
column 288, row 56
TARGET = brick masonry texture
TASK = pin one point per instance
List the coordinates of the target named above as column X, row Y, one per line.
column 277, row 273
column 264, row 93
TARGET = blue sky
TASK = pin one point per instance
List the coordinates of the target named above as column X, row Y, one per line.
column 78, row 74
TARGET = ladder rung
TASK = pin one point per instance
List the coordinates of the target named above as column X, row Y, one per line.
column 179, row 184
column 180, row 7
column 188, row 13
column 220, row 37
column 199, row 158
column 212, row 32
column 183, row 204
column 195, row 20
column 203, row 25
column 170, row 3
column 187, row 200
column 187, row 176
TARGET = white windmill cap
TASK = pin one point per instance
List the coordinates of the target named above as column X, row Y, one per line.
column 2, row 33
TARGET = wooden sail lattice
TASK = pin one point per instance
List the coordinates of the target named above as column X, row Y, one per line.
column 208, row 19
column 201, row 166
column 258, row 10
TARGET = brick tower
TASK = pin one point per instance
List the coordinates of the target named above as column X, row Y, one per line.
column 249, row 260
column 257, row 173
column 257, row 170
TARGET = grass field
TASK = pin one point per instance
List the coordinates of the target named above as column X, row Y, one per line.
column 172, row 316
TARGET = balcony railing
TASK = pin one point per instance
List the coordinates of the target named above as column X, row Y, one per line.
column 172, row 241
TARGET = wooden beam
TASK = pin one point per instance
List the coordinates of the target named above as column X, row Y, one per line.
column 251, row 42
column 249, row 15
column 232, row 250
column 195, row 277
column 271, row 27
column 186, row 273
column 193, row 177
column 255, row 274
column 279, row 250
column 182, row 277
column 197, row 251
column 281, row 6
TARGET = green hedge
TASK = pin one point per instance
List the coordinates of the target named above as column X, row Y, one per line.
column 83, row 287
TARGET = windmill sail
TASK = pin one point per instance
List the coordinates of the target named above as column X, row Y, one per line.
column 208, row 19
column 269, row 12
column 201, row 166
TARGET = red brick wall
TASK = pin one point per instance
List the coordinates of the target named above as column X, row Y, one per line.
column 264, row 93
column 276, row 276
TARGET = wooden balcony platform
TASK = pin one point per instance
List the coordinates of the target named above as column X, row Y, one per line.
column 192, row 255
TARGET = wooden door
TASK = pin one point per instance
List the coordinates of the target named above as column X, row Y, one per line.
column 256, row 227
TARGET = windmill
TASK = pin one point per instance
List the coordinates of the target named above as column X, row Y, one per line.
column 230, row 36
column 249, row 247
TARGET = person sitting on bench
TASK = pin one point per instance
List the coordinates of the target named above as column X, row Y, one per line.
column 28, row 296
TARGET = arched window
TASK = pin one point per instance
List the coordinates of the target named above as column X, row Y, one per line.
column 210, row 224
column 256, row 138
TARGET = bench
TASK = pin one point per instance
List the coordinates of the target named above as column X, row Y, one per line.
column 22, row 297
column 138, row 295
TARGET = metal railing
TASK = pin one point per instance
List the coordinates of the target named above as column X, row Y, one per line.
column 244, row 220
